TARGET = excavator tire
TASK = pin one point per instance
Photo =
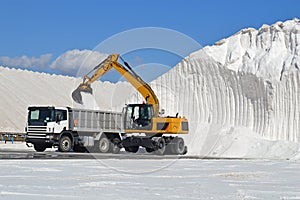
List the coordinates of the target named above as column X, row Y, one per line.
column 149, row 150
column 169, row 149
column 115, row 145
column 132, row 149
column 161, row 144
column 178, row 146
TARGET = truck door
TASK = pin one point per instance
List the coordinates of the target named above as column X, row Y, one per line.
column 61, row 119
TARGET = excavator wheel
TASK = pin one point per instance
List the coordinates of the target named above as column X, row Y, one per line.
column 169, row 149
column 132, row 149
column 115, row 145
column 178, row 146
column 149, row 150
column 161, row 145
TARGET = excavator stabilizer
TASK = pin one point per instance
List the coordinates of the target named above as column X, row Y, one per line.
column 76, row 94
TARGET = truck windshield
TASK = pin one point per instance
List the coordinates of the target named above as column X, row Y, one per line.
column 40, row 116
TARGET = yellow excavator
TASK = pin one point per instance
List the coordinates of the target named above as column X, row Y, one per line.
column 144, row 118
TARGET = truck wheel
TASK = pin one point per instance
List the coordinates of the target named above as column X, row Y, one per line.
column 178, row 146
column 39, row 147
column 161, row 145
column 115, row 145
column 132, row 149
column 104, row 145
column 65, row 144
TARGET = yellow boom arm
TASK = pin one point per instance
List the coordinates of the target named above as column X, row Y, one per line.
column 112, row 62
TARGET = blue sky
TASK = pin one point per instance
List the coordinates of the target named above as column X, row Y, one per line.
column 33, row 28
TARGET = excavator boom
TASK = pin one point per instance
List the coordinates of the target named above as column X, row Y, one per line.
column 112, row 62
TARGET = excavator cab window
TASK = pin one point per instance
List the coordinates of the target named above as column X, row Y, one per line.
column 138, row 116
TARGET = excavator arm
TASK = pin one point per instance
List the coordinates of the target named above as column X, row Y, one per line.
column 112, row 62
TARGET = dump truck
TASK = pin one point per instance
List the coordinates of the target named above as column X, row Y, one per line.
column 70, row 128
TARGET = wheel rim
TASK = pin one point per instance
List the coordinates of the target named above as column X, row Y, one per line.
column 103, row 146
column 161, row 145
column 66, row 145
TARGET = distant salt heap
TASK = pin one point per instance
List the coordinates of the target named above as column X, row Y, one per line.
column 21, row 88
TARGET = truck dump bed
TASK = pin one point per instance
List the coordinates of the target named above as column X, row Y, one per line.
column 96, row 121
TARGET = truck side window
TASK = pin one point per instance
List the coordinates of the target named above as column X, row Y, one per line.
column 61, row 115
column 64, row 115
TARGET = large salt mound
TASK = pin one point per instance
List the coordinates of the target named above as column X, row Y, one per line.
column 20, row 89
column 248, row 83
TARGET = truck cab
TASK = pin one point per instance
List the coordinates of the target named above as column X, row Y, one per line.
column 44, row 125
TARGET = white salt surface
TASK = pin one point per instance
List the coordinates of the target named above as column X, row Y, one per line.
column 13, row 146
column 136, row 179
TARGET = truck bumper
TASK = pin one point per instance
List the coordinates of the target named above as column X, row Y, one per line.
column 46, row 141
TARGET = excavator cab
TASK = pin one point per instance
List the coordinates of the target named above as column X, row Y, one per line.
column 138, row 116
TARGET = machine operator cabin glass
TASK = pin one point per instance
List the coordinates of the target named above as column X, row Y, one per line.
column 138, row 115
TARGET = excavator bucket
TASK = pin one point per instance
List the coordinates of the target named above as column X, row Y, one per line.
column 76, row 94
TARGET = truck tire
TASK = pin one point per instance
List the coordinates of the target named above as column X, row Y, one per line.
column 161, row 145
column 115, row 146
column 39, row 147
column 132, row 149
column 178, row 146
column 65, row 144
column 104, row 145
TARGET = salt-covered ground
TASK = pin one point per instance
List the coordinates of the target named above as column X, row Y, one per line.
column 14, row 146
column 149, row 179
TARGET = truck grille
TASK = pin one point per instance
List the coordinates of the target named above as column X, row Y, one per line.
column 36, row 132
